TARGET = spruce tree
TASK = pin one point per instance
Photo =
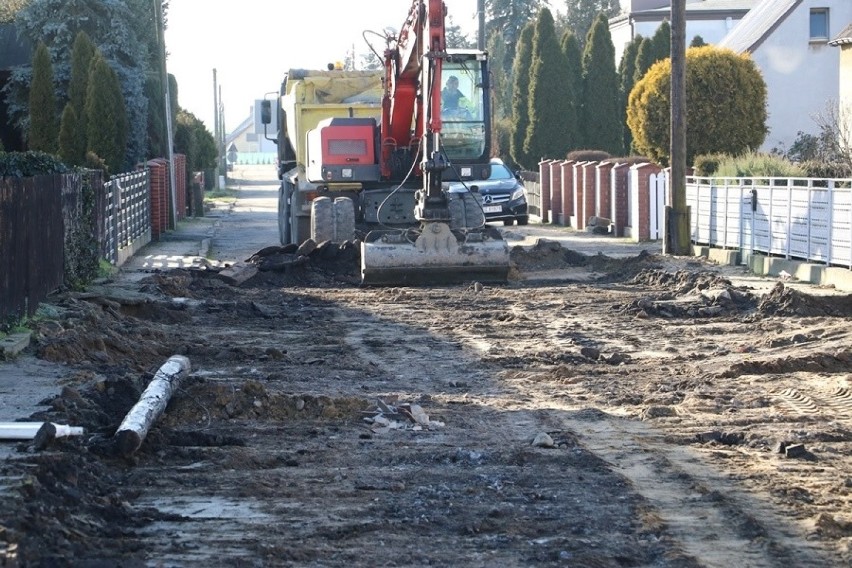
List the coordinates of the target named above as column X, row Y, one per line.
column 626, row 75
column 44, row 127
column 68, row 127
column 601, row 120
column 573, row 54
column 644, row 59
column 107, row 122
column 549, row 100
column 520, row 97
column 81, row 59
column 662, row 41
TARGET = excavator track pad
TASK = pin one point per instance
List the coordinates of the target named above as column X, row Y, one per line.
column 434, row 256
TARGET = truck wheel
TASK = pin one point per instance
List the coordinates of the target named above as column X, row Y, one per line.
column 322, row 219
column 283, row 215
column 344, row 219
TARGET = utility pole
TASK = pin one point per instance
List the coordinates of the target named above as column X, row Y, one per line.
column 677, row 240
column 480, row 14
column 161, row 39
column 216, row 125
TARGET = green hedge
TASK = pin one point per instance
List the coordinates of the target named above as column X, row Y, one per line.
column 28, row 164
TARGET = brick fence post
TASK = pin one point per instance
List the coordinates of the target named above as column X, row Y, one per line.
column 589, row 170
column 604, row 190
column 567, row 190
column 620, row 176
column 577, row 190
column 544, row 180
column 556, row 192
column 642, row 207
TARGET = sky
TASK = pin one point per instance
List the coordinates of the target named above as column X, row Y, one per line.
column 252, row 43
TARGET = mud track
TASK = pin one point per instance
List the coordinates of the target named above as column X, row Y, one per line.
column 653, row 414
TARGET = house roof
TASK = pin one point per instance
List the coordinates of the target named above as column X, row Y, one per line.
column 758, row 24
column 694, row 8
column 844, row 37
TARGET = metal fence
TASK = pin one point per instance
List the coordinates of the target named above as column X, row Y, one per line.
column 799, row 218
column 127, row 216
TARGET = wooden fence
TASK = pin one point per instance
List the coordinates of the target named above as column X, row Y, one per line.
column 39, row 217
column 32, row 237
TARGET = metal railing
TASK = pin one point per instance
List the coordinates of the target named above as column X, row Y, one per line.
column 799, row 218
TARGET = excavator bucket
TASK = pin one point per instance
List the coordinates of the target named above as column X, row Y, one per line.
column 438, row 255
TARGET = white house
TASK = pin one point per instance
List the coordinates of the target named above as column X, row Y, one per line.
column 710, row 19
column 789, row 42
column 844, row 42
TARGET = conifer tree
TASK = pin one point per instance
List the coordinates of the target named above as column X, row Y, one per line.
column 626, row 75
column 81, row 59
column 44, row 127
column 570, row 45
column 520, row 97
column 107, row 122
column 644, row 59
column 68, row 127
column 662, row 42
column 601, row 120
column 549, row 106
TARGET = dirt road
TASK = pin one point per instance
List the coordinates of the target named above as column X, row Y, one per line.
column 638, row 411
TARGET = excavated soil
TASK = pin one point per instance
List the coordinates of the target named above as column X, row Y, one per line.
column 653, row 414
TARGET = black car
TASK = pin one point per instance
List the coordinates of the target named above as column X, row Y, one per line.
column 503, row 195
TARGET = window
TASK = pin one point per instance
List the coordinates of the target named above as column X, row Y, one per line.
column 819, row 24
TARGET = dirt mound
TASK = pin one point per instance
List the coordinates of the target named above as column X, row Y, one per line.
column 680, row 282
column 551, row 255
column 784, row 301
column 687, row 294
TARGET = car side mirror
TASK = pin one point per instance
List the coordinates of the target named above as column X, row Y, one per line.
column 265, row 112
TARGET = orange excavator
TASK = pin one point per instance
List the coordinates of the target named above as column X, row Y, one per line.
column 383, row 152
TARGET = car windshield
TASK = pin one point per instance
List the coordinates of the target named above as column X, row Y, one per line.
column 499, row 171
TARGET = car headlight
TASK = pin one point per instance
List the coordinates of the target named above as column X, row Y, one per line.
column 518, row 193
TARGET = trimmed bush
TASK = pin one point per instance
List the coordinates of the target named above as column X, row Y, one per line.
column 756, row 164
column 725, row 102
column 28, row 164
column 588, row 156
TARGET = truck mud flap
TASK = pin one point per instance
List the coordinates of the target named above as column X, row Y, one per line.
column 434, row 256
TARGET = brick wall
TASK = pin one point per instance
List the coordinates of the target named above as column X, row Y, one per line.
column 180, row 186
column 159, row 179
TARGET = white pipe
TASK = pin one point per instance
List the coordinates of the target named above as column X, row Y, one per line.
column 28, row 430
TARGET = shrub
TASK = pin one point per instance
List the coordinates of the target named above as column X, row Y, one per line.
column 725, row 102
column 820, row 169
column 707, row 164
column 28, row 164
column 588, row 156
column 756, row 164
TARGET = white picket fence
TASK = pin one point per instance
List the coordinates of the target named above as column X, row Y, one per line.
column 797, row 218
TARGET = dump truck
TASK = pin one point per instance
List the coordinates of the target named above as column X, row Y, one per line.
column 369, row 154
